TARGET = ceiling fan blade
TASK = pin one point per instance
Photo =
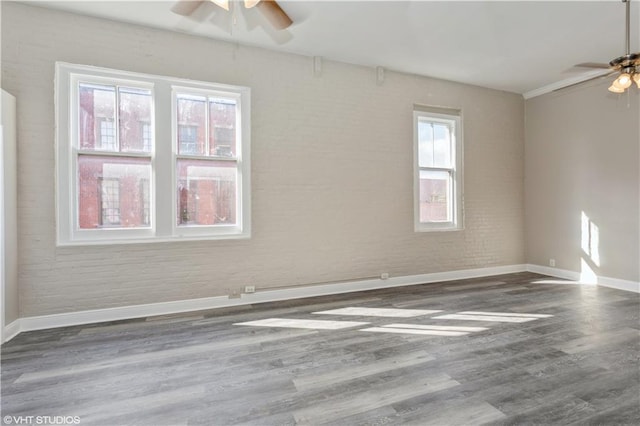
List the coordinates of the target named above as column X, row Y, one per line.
column 274, row 14
column 186, row 7
column 592, row 65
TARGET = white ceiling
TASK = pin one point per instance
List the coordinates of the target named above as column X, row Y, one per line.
column 515, row 46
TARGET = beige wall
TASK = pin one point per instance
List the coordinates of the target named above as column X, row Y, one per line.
column 583, row 158
column 331, row 171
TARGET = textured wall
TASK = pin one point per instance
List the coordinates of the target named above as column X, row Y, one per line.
column 583, row 166
column 331, row 171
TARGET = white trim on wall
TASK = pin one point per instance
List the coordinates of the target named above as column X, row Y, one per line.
column 165, row 308
column 11, row 330
column 583, row 77
column 179, row 306
column 554, row 272
column 9, row 300
column 619, row 284
column 575, row 278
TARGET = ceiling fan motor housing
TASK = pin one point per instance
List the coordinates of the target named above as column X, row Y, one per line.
column 630, row 61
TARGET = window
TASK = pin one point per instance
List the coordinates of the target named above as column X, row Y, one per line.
column 110, row 159
column 142, row 157
column 206, row 163
column 438, row 169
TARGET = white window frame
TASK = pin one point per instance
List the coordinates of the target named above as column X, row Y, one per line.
column 453, row 118
column 163, row 191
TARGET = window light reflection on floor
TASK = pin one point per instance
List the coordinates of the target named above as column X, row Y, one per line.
column 436, row 327
column 415, row 331
column 302, row 323
column 379, row 312
column 400, row 328
column 426, row 329
column 506, row 314
column 492, row 316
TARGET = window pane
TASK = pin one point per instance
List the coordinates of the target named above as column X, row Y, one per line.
column 135, row 120
column 441, row 145
column 109, row 201
column 113, row 192
column 222, row 125
column 191, row 124
column 425, row 143
column 435, row 196
column 206, row 192
column 96, row 117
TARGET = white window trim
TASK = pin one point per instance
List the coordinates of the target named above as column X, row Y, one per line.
column 163, row 191
column 454, row 117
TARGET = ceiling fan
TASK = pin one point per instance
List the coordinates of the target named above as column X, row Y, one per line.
column 627, row 66
column 269, row 8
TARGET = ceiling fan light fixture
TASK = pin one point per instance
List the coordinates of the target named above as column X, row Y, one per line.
column 222, row 3
column 615, row 89
column 250, row 3
column 623, row 81
column 628, row 65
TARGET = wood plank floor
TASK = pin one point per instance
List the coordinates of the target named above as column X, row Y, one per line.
column 484, row 360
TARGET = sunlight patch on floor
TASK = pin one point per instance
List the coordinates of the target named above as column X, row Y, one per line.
column 415, row 331
column 426, row 329
column 493, row 316
column 400, row 328
column 437, row 327
column 379, row 312
column 302, row 323
column 506, row 314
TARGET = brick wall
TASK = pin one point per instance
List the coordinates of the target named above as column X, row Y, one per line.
column 332, row 189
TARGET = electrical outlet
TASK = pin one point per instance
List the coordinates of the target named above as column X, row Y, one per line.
column 384, row 276
column 249, row 288
column 552, row 262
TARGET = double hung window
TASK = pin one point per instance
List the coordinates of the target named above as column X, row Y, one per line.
column 207, row 159
column 142, row 157
column 438, row 169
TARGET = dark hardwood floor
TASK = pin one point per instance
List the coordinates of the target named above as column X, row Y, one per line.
column 499, row 350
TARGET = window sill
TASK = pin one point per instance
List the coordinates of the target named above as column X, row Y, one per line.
column 152, row 240
column 438, row 228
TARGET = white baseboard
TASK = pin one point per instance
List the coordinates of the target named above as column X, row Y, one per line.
column 619, row 284
column 11, row 330
column 575, row 278
column 373, row 284
column 190, row 305
column 165, row 308
column 554, row 272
